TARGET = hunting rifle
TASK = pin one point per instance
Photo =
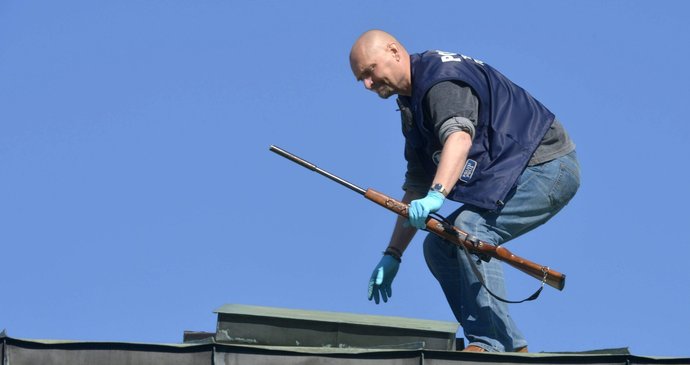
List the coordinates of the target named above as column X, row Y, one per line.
column 445, row 230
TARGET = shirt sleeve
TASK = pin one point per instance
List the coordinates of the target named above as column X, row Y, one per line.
column 451, row 106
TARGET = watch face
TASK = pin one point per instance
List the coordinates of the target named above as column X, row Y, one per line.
column 438, row 187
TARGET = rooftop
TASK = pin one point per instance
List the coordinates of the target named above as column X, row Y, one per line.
column 266, row 335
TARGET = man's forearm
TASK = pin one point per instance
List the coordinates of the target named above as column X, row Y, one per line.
column 403, row 232
column 453, row 158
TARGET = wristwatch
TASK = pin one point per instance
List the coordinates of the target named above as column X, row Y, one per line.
column 439, row 188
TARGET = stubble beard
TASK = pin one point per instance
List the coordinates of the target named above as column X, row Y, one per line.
column 385, row 91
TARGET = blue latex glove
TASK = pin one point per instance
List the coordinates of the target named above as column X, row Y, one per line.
column 421, row 208
column 382, row 278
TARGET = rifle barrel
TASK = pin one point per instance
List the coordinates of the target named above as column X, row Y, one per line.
column 314, row 168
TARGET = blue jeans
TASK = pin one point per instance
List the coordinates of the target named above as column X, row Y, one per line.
column 541, row 192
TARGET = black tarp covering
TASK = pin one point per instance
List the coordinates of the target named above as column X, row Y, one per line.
column 25, row 352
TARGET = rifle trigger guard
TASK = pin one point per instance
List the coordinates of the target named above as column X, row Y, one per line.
column 476, row 243
column 473, row 240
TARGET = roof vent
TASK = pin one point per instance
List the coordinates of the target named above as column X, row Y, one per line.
column 267, row 326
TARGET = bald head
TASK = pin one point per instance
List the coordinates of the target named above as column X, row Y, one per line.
column 371, row 41
column 381, row 63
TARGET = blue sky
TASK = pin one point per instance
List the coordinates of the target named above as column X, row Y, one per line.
column 137, row 192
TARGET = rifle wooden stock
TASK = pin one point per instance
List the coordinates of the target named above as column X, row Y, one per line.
column 456, row 236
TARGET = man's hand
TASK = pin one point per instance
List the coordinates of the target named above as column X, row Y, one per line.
column 421, row 208
column 382, row 278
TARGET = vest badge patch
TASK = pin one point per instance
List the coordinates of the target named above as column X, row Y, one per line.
column 468, row 170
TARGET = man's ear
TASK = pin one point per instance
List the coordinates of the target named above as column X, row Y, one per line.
column 393, row 48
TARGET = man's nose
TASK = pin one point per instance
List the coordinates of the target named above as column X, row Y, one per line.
column 368, row 83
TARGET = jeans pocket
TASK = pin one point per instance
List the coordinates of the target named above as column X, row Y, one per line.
column 567, row 182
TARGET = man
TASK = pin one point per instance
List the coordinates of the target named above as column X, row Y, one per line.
column 471, row 136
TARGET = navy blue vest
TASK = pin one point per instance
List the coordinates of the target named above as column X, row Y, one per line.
column 510, row 126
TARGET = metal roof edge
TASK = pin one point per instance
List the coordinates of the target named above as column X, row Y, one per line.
column 50, row 342
column 333, row 351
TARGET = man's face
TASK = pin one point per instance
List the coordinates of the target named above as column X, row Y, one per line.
column 376, row 68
